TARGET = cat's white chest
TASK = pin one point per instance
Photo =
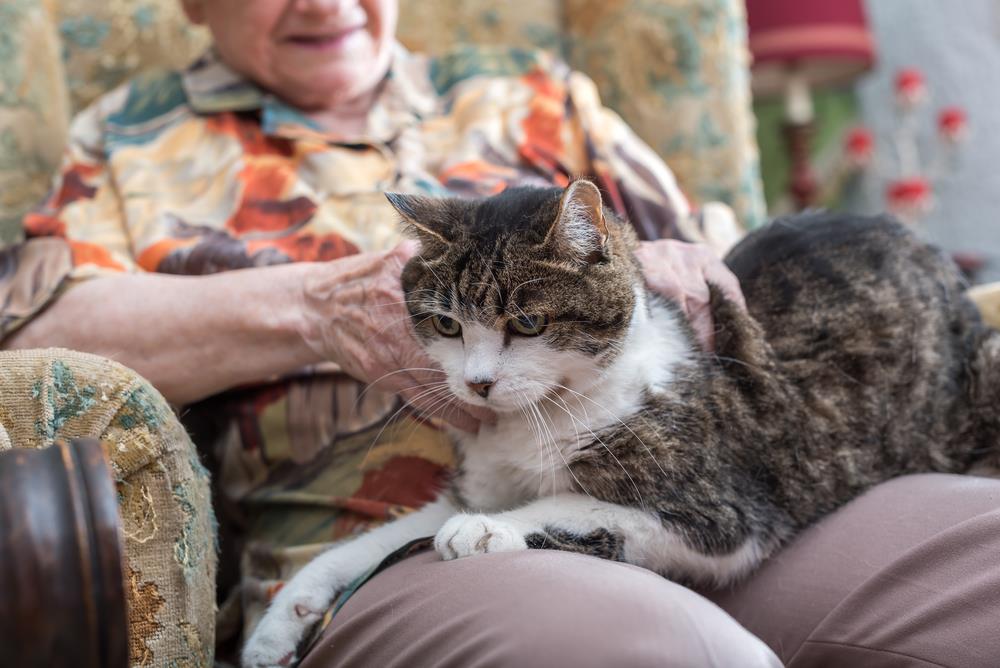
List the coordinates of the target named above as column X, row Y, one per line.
column 514, row 462
column 527, row 455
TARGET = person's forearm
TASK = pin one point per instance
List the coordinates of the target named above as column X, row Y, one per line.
column 191, row 336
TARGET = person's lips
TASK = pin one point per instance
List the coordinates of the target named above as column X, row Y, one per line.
column 320, row 41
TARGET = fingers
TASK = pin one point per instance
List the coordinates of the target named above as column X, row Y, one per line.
column 700, row 319
column 682, row 272
column 404, row 250
column 719, row 274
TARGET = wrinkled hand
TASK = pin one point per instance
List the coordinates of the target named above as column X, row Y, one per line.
column 681, row 272
column 357, row 317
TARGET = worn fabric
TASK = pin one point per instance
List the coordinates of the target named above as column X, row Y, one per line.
column 163, row 490
column 34, row 111
column 531, row 609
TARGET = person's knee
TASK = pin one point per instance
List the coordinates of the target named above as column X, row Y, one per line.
column 533, row 608
column 582, row 611
column 553, row 608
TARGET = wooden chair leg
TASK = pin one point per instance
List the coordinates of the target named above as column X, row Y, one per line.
column 62, row 597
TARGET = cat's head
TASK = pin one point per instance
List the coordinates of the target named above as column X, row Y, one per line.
column 522, row 293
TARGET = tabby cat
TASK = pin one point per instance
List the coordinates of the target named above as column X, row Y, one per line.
column 859, row 360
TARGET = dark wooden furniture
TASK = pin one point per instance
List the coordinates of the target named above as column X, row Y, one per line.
column 62, row 598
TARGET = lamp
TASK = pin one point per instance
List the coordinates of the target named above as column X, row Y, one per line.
column 798, row 45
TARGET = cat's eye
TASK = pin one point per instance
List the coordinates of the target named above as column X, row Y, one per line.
column 528, row 325
column 446, row 326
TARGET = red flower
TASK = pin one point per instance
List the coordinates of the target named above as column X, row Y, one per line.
column 859, row 146
column 909, row 197
column 953, row 124
column 910, row 87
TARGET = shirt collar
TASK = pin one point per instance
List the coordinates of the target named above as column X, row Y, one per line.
column 404, row 97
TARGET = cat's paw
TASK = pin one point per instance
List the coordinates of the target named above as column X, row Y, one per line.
column 464, row 535
column 292, row 614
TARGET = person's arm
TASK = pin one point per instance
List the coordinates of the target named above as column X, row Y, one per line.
column 194, row 336
column 189, row 336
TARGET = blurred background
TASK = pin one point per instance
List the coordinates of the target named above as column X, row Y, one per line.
column 915, row 131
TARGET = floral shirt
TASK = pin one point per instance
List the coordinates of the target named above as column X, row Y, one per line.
column 201, row 171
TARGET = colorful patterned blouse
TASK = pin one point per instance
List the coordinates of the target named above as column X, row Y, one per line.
column 201, row 171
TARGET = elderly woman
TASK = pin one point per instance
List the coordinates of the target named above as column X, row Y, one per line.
column 270, row 156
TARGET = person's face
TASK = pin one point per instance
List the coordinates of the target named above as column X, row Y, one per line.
column 312, row 53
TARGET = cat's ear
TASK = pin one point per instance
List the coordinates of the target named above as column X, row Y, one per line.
column 579, row 232
column 429, row 219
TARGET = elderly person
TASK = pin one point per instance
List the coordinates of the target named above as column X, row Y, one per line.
column 223, row 232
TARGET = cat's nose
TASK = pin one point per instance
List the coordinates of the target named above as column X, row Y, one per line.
column 481, row 388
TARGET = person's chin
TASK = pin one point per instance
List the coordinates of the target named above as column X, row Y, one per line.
column 332, row 73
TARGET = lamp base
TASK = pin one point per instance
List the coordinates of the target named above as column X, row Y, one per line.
column 803, row 185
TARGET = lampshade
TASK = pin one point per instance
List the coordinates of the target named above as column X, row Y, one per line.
column 827, row 41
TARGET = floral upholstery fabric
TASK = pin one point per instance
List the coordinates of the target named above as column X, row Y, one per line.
column 33, row 110
column 107, row 42
column 681, row 85
column 676, row 70
column 163, row 490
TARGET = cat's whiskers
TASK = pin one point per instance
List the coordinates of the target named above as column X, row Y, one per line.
column 622, row 423
column 642, row 500
column 411, row 369
column 549, row 439
column 523, row 283
column 723, row 358
column 439, row 386
column 411, row 299
column 542, row 450
column 520, row 310
column 394, row 321
column 443, row 406
column 429, row 268
column 555, row 445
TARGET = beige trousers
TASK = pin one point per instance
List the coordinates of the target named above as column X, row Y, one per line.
column 906, row 575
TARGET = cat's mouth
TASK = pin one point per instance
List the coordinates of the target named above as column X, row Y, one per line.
column 550, row 397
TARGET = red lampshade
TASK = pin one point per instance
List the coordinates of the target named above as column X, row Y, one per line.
column 826, row 40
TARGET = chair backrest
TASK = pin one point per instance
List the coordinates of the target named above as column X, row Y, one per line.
column 676, row 70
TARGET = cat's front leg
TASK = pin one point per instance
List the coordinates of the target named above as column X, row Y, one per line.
column 302, row 602
column 578, row 523
column 565, row 522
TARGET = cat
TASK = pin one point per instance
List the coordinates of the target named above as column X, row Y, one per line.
column 858, row 359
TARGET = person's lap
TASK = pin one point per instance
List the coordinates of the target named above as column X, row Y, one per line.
column 902, row 576
column 533, row 608
column 905, row 575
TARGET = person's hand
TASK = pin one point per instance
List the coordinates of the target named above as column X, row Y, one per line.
column 681, row 272
column 356, row 317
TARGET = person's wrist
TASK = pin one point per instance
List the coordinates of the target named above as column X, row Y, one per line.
column 315, row 290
